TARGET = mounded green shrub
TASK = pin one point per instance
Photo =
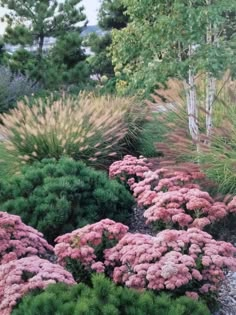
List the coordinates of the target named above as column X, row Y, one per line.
column 56, row 197
column 104, row 298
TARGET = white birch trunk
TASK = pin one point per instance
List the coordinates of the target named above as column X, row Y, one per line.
column 211, row 39
column 192, row 107
column 210, row 96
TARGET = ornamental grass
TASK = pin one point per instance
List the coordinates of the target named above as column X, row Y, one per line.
column 88, row 128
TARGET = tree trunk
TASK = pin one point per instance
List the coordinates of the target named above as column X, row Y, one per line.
column 192, row 106
column 40, row 46
column 192, row 109
column 211, row 39
column 210, row 96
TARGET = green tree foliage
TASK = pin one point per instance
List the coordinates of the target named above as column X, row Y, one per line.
column 32, row 23
column 165, row 38
column 111, row 15
column 100, row 62
column 104, row 298
column 2, row 50
column 57, row 197
column 69, row 65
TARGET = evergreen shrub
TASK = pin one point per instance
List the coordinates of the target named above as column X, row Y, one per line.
column 104, row 298
column 56, row 197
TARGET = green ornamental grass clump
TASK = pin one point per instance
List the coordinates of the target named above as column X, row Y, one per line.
column 56, row 197
column 104, row 298
column 86, row 128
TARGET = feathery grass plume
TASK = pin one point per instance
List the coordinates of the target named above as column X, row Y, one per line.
column 84, row 127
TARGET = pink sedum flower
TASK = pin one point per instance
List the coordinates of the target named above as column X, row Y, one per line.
column 129, row 166
column 192, row 295
column 185, row 207
column 81, row 244
column 170, row 260
column 18, row 240
column 18, row 277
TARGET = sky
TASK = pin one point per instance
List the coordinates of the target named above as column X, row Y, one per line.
column 91, row 10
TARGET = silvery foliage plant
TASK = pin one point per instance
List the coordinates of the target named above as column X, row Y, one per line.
column 13, row 87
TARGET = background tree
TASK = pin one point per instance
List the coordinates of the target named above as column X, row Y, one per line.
column 31, row 22
column 2, row 50
column 180, row 39
column 111, row 15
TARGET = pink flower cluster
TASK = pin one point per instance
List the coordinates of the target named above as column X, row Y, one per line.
column 20, row 276
column 186, row 207
column 81, row 243
column 161, row 180
column 18, row 240
column 172, row 197
column 129, row 167
column 171, row 260
column 232, row 205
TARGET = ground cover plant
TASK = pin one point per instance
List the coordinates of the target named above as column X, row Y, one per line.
column 104, row 298
column 58, row 196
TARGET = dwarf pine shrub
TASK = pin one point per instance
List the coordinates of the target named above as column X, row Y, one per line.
column 58, row 196
column 104, row 298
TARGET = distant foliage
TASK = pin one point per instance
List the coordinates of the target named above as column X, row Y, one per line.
column 58, row 196
column 13, row 87
column 21, row 276
column 19, row 240
column 86, row 127
column 82, row 251
column 104, row 298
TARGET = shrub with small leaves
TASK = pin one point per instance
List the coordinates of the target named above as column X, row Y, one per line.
column 59, row 196
column 18, row 277
column 104, row 298
column 18, row 240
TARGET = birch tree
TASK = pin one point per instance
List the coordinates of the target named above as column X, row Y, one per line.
column 177, row 39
